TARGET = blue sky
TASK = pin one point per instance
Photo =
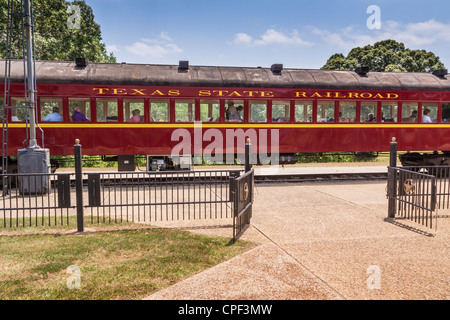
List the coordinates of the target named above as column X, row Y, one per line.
column 296, row 33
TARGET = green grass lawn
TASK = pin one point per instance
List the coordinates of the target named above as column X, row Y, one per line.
column 118, row 264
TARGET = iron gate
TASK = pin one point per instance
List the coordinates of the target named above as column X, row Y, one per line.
column 243, row 200
column 412, row 195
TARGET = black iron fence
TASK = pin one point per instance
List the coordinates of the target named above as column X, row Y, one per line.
column 35, row 199
column 114, row 197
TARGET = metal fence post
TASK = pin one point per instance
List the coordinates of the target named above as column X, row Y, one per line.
column 248, row 150
column 79, row 185
column 392, row 179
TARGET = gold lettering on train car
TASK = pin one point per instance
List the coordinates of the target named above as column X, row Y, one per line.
column 268, row 94
column 378, row 96
column 119, row 91
column 353, row 95
column 221, row 93
column 316, row 95
column 300, row 94
column 204, row 93
column 140, row 91
column 392, row 96
column 157, row 92
column 366, row 95
column 174, row 92
column 235, row 93
column 100, row 90
column 250, row 93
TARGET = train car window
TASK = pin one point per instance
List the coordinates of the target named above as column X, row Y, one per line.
column 258, row 111
column 80, row 109
column 184, row 110
column 303, row 111
column 281, row 111
column 18, row 114
column 107, row 110
column 209, row 110
column 389, row 112
column 325, row 111
column 51, row 109
column 368, row 112
column 133, row 110
column 234, row 110
column 409, row 112
column 445, row 111
column 429, row 112
column 159, row 110
column 347, row 111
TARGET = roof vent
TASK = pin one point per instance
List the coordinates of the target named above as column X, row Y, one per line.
column 276, row 68
column 81, row 62
column 183, row 66
column 440, row 72
column 362, row 70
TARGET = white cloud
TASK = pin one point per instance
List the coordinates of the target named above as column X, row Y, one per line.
column 413, row 35
column 154, row 48
column 270, row 37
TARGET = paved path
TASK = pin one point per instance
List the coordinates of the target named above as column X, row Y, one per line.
column 326, row 241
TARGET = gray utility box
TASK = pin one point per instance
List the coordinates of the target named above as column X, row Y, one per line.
column 34, row 168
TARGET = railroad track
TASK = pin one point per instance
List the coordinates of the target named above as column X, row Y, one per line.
column 321, row 177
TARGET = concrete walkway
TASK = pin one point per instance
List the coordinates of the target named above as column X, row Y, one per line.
column 327, row 241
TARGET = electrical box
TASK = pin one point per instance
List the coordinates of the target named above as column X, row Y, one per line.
column 126, row 163
column 34, row 161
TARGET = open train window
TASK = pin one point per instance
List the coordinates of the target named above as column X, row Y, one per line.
column 107, row 110
column 281, row 111
column 429, row 112
column 389, row 112
column 80, row 109
column 410, row 112
column 325, row 111
column 18, row 114
column 445, row 111
column 234, row 110
column 184, row 110
column 368, row 112
column 159, row 110
column 209, row 110
column 51, row 109
column 133, row 110
column 258, row 111
column 303, row 111
column 347, row 111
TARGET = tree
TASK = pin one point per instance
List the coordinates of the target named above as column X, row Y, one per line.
column 386, row 55
column 55, row 38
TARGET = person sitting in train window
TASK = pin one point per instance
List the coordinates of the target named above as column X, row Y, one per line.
column 239, row 110
column 233, row 114
column 371, row 118
column 55, row 116
column 136, row 116
column 426, row 118
column 414, row 114
column 78, row 116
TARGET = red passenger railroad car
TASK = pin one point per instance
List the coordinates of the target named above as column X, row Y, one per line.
column 308, row 110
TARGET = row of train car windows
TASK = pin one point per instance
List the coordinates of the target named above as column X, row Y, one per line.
column 51, row 109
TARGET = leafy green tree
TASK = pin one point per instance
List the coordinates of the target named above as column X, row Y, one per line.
column 386, row 55
column 55, row 37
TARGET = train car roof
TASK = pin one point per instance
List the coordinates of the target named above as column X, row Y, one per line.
column 220, row 76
